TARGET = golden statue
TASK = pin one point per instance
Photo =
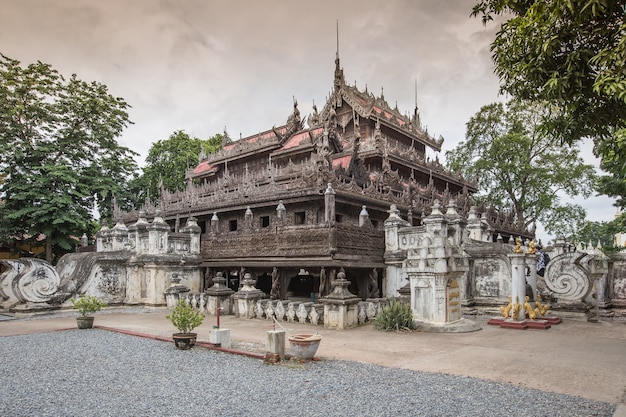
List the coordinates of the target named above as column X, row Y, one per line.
column 518, row 246
column 516, row 309
column 541, row 310
column 531, row 247
column 505, row 311
column 532, row 314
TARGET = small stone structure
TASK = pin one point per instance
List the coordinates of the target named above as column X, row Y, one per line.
column 432, row 260
column 451, row 259
column 140, row 264
column 341, row 306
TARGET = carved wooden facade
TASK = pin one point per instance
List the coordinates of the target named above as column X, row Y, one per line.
column 262, row 201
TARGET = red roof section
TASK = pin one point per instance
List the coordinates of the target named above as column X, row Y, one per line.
column 296, row 140
column 203, row 166
column 343, row 162
column 385, row 112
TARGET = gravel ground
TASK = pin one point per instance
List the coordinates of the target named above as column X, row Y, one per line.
column 102, row 373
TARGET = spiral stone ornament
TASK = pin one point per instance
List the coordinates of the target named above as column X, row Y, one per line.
column 567, row 277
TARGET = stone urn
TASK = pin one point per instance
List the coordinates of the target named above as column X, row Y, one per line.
column 304, row 346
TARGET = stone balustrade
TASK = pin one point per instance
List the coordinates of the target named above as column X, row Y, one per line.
column 283, row 310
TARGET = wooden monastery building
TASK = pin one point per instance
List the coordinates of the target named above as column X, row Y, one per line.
column 297, row 203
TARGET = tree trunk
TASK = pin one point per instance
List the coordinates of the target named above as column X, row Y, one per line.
column 49, row 248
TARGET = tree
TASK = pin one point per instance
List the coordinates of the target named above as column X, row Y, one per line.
column 519, row 166
column 571, row 53
column 168, row 161
column 597, row 232
column 58, row 153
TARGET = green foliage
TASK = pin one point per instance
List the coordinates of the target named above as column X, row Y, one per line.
column 185, row 318
column 599, row 232
column 58, row 153
column 571, row 53
column 518, row 165
column 395, row 317
column 168, row 161
column 87, row 304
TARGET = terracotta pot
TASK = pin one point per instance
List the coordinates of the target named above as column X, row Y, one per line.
column 184, row 341
column 84, row 322
column 304, row 346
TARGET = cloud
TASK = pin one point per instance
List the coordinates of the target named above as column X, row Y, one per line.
column 202, row 65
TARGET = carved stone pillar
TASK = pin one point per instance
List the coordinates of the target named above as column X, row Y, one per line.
column 246, row 298
column 174, row 291
column 219, row 296
column 518, row 285
column 341, row 307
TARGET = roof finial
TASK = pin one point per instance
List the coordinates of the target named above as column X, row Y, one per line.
column 337, row 39
column 416, row 114
column 339, row 80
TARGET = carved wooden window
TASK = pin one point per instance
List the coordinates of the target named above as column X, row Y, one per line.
column 300, row 217
column 232, row 225
column 265, row 221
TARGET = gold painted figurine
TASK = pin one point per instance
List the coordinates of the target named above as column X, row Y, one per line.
column 518, row 246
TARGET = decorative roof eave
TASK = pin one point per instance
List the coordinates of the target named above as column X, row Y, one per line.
column 435, row 170
column 350, row 96
column 242, row 148
column 418, row 136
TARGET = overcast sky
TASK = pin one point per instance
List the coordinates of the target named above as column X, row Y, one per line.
column 205, row 65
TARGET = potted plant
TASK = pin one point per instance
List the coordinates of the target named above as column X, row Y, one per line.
column 185, row 319
column 85, row 306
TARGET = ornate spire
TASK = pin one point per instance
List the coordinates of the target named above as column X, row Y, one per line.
column 339, row 80
column 416, row 114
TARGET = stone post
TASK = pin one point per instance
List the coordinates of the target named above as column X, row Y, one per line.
column 341, row 307
column 219, row 296
column 246, row 298
column 518, row 285
column 194, row 232
column 275, row 343
column 137, row 234
column 158, row 232
column 102, row 238
column 173, row 292
column 119, row 236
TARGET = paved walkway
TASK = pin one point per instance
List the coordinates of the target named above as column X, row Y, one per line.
column 574, row 357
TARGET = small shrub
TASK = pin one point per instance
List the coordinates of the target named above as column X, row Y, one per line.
column 396, row 316
column 87, row 304
column 185, row 318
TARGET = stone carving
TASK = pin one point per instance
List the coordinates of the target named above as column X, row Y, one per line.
column 29, row 280
column 279, row 311
column 291, row 312
column 302, row 313
column 567, row 277
column 314, row 316
column 258, row 309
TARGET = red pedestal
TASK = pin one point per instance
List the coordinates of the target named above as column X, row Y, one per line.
column 520, row 325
